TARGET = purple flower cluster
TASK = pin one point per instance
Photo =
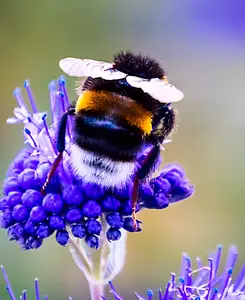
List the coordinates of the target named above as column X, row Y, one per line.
column 206, row 282
column 70, row 205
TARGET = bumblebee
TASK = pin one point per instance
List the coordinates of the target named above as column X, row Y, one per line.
column 121, row 107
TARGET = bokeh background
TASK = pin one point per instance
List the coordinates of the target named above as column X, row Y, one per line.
column 202, row 46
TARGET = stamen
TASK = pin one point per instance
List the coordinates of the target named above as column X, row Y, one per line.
column 199, row 262
column 173, row 275
column 217, row 260
column 160, row 295
column 188, row 275
column 48, row 134
column 183, row 265
column 30, row 121
column 226, row 283
column 27, row 86
column 166, row 292
column 215, row 293
column 149, row 294
column 139, row 297
column 27, row 131
column 9, row 292
column 183, row 295
column 62, row 88
column 20, row 100
column 210, row 277
column 52, row 95
column 61, row 96
column 231, row 259
column 8, row 286
column 240, row 281
column 37, row 289
column 24, row 295
column 113, row 291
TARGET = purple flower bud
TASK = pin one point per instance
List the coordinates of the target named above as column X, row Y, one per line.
column 73, row 195
column 93, row 191
column 126, row 208
column 14, row 198
column 53, row 203
column 41, row 175
column 3, row 203
column 11, row 233
column 78, row 230
column 42, row 172
column 146, row 193
column 38, row 214
column 182, row 192
column 161, row 184
column 129, row 225
column 30, row 227
column 11, row 185
column 12, row 172
column 159, row 201
column 174, row 178
column 18, row 230
column 124, row 193
column 74, row 215
column 92, row 241
column 43, row 231
column 110, row 204
column 34, row 243
column 27, row 179
column 62, row 237
column 113, row 234
column 20, row 213
column 3, row 223
column 31, row 162
column 93, row 226
column 21, row 157
column 7, row 217
column 56, row 222
column 172, row 168
column 115, row 220
column 91, row 209
column 32, row 198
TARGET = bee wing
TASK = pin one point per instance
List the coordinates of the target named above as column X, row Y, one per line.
column 161, row 91
column 88, row 67
column 135, row 81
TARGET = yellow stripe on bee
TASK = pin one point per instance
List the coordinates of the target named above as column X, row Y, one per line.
column 112, row 103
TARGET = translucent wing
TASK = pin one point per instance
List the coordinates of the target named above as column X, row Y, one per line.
column 88, row 67
column 135, row 81
column 161, row 91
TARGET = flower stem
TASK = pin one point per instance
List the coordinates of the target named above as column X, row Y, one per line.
column 96, row 291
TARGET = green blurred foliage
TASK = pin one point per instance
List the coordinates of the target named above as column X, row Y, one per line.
column 207, row 64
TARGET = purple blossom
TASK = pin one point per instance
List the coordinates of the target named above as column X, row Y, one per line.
column 70, row 206
column 204, row 282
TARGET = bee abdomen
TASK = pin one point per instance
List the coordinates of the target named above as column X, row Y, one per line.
column 99, row 169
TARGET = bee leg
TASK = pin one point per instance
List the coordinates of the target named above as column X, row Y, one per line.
column 146, row 168
column 60, row 146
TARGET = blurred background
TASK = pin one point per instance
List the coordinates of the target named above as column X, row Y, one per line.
column 201, row 44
